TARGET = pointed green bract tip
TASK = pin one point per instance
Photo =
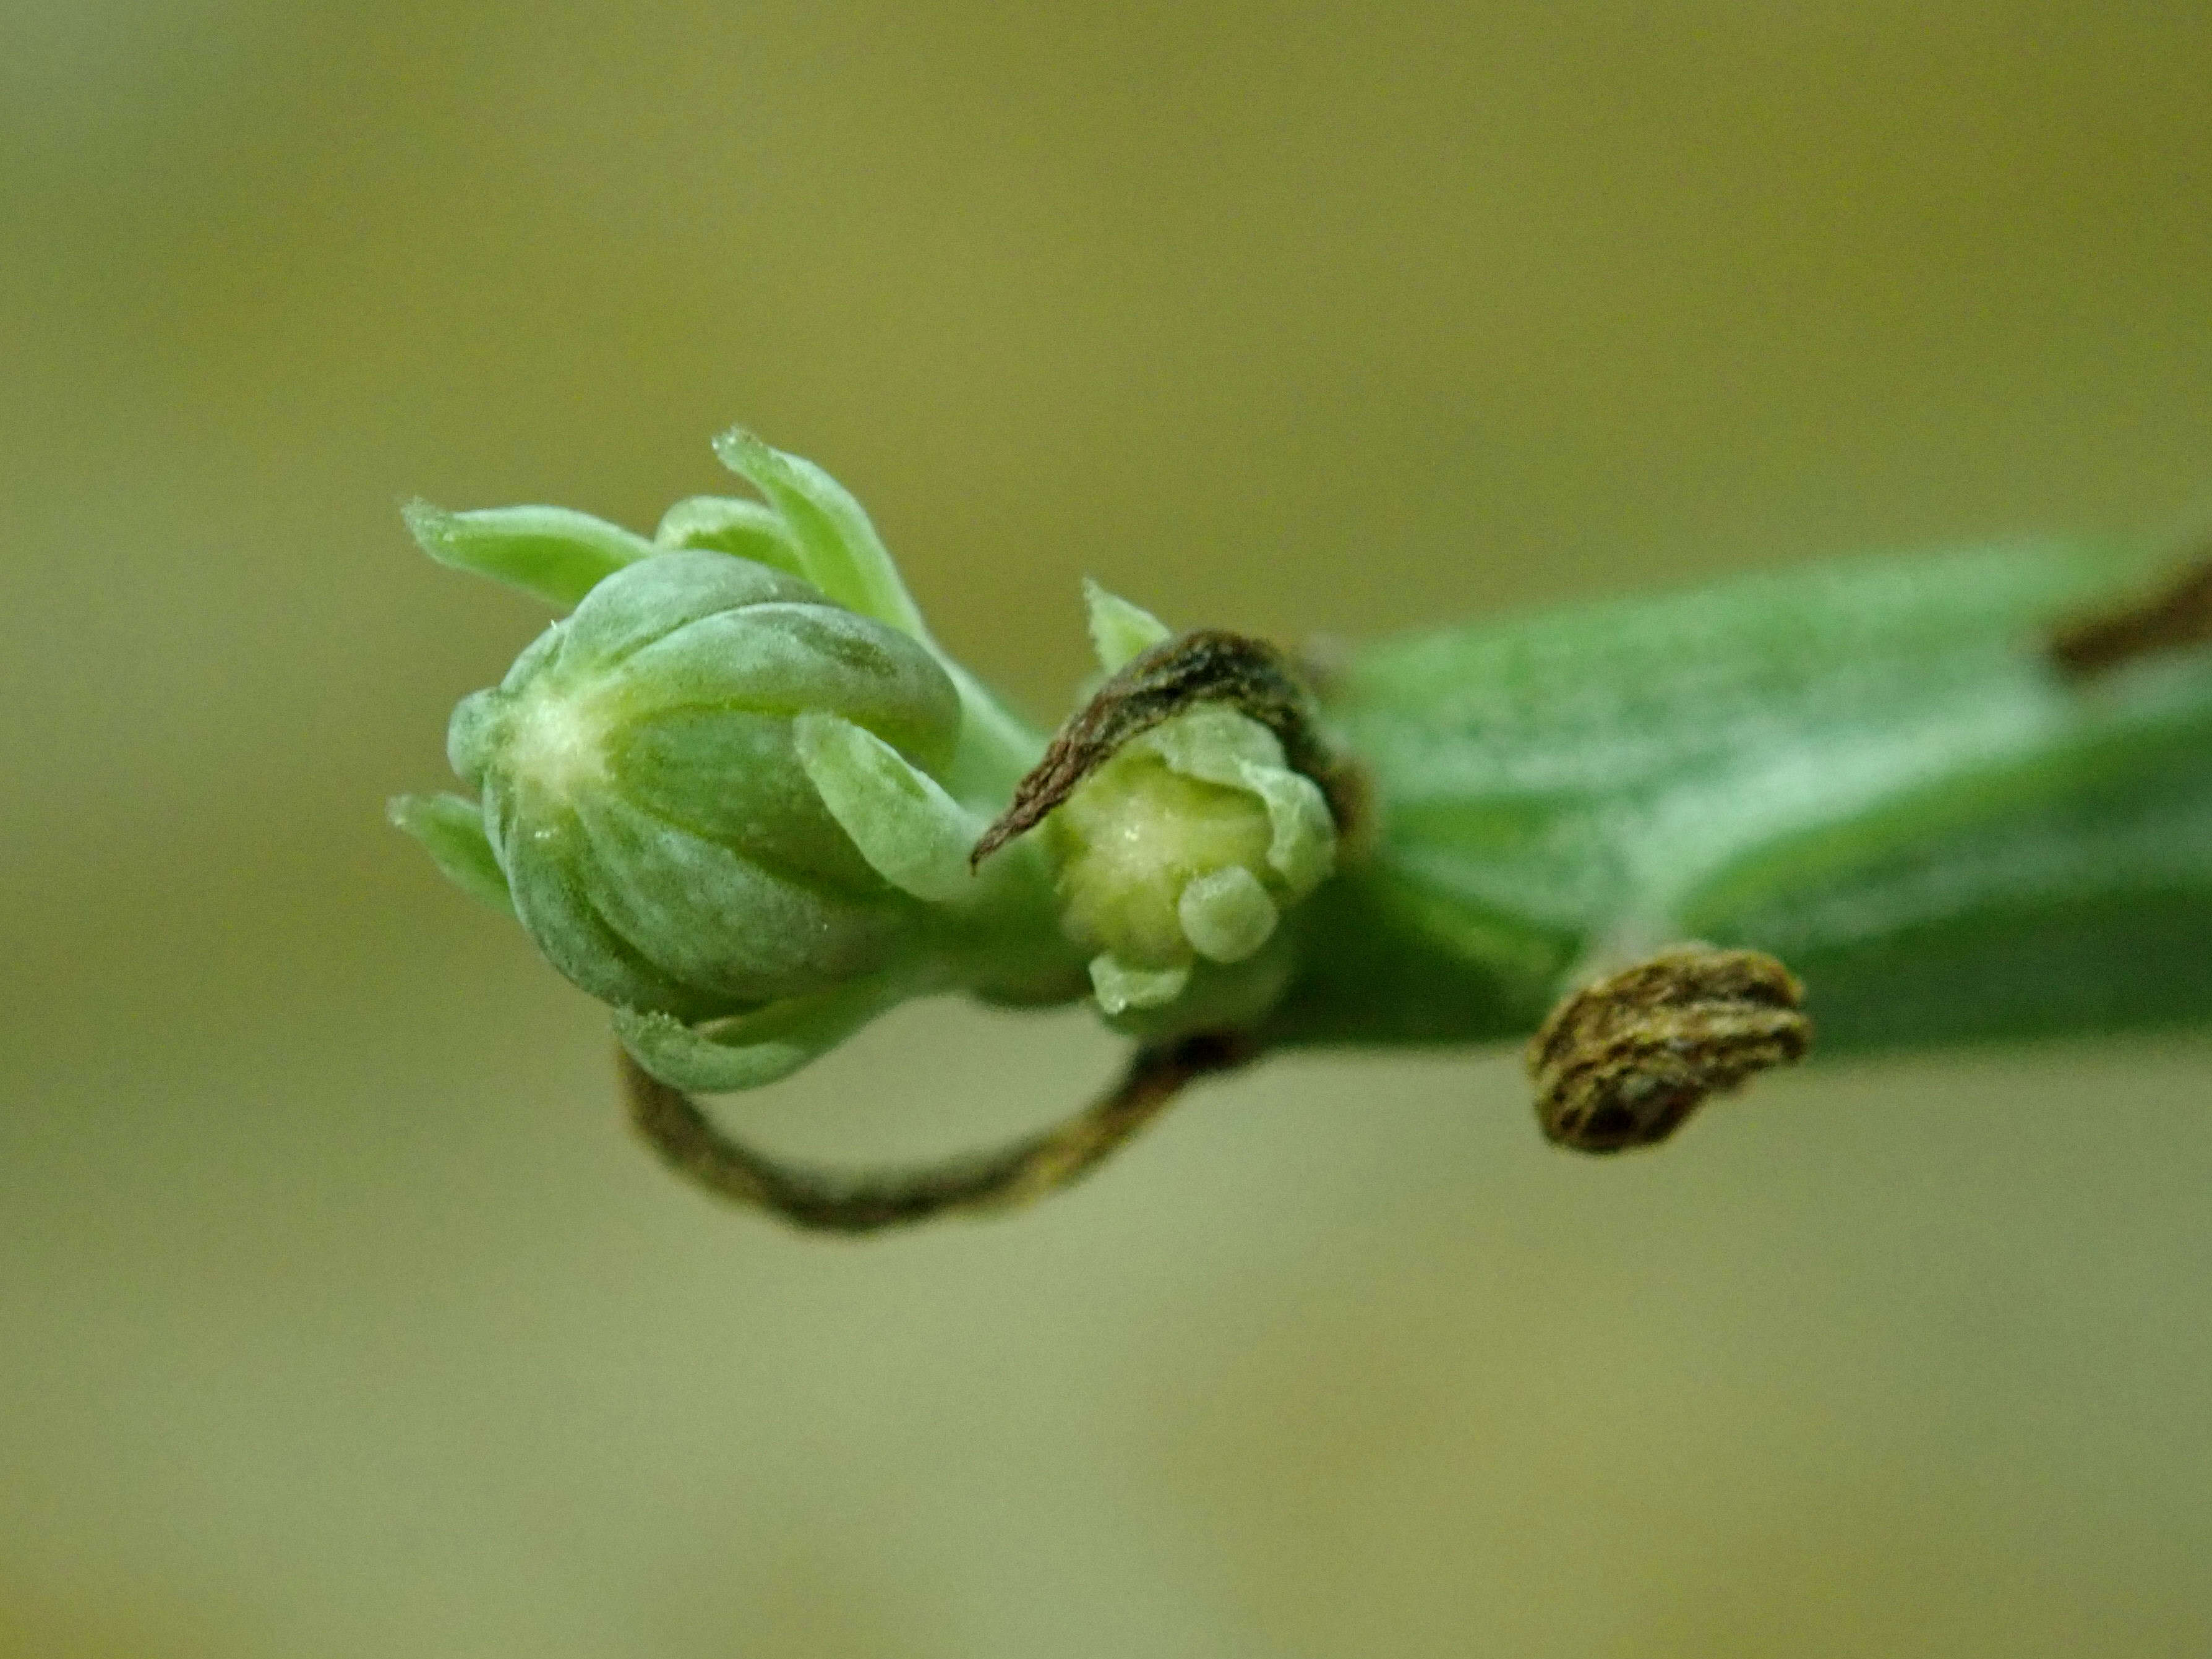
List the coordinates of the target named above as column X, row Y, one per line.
column 837, row 547
column 724, row 524
column 451, row 830
column 751, row 1050
column 1119, row 631
column 554, row 553
column 912, row 834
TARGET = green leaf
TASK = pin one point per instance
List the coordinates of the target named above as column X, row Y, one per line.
column 551, row 552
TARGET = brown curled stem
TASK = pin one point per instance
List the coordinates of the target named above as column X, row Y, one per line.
column 825, row 1200
column 2176, row 617
column 1211, row 666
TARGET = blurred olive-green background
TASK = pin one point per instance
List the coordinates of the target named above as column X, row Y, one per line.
column 338, row 1315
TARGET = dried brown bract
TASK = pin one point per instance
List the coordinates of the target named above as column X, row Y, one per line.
column 1212, row 665
column 1623, row 1062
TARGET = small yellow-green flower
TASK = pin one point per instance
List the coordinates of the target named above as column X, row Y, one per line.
column 1187, row 846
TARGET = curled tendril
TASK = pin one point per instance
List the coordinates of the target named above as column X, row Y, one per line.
column 822, row 1201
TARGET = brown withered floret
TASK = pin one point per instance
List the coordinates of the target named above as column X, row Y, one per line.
column 1624, row 1062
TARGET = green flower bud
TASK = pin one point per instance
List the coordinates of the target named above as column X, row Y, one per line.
column 734, row 794
column 660, row 835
